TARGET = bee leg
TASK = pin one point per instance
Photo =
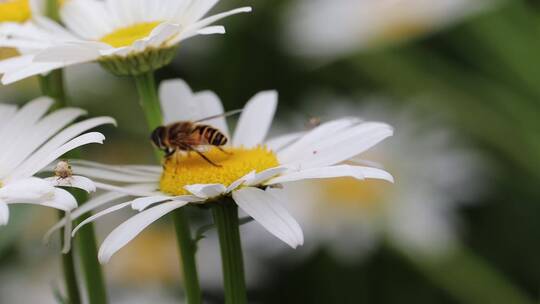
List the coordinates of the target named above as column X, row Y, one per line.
column 223, row 150
column 207, row 159
column 190, row 148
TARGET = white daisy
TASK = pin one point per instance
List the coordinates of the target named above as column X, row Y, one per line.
column 32, row 140
column 127, row 37
column 330, row 28
column 247, row 172
column 436, row 175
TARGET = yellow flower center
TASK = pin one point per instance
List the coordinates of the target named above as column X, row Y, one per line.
column 14, row 10
column 128, row 35
column 187, row 169
column 6, row 53
column 348, row 192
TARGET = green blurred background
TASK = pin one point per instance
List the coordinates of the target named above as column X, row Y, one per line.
column 481, row 75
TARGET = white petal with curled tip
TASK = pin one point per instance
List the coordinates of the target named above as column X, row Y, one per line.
column 74, row 181
column 333, row 172
column 61, row 200
column 87, row 138
column 206, row 190
column 4, row 213
column 99, row 215
column 128, row 230
column 256, row 120
column 265, row 207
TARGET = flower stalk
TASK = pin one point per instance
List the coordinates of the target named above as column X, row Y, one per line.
column 149, row 102
column 225, row 215
column 52, row 85
column 68, row 269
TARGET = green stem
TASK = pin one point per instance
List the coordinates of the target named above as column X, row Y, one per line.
column 68, row 267
column 467, row 278
column 149, row 101
column 51, row 10
column 87, row 245
column 52, row 85
column 225, row 215
column 187, row 248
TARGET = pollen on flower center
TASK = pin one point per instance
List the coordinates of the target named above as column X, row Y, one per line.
column 127, row 35
column 187, row 169
column 14, row 10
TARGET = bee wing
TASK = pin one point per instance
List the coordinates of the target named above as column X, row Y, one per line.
column 226, row 114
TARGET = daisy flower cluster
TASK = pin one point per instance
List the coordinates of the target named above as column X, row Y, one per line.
column 206, row 164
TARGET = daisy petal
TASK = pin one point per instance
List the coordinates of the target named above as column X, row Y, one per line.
column 277, row 143
column 92, row 204
column 142, row 203
column 265, row 207
column 28, row 190
column 61, row 200
column 128, row 230
column 343, row 146
column 264, row 176
column 209, row 20
column 4, row 213
column 99, row 215
column 255, row 120
column 206, row 190
column 333, row 172
column 74, row 181
column 180, row 103
column 297, row 149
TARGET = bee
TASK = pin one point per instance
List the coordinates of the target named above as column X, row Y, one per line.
column 63, row 170
column 189, row 136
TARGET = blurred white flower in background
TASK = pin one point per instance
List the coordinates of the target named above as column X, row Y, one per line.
column 332, row 28
column 112, row 31
column 434, row 173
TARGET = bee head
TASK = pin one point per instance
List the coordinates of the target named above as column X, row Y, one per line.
column 157, row 138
